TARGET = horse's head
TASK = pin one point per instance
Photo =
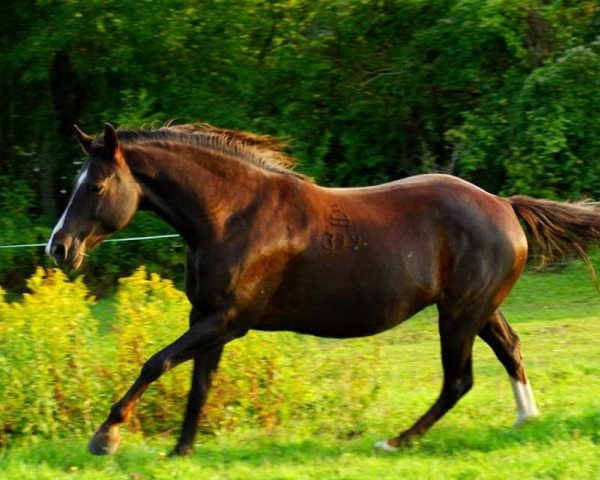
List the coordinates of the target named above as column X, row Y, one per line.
column 104, row 200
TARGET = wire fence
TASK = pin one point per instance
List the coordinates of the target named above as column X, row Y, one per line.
column 124, row 239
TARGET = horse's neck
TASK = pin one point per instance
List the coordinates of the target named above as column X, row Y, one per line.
column 194, row 195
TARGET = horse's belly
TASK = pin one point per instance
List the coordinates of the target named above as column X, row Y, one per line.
column 354, row 311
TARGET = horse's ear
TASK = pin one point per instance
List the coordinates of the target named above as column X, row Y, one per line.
column 111, row 144
column 84, row 139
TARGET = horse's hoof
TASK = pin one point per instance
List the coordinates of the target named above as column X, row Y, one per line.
column 104, row 442
column 385, row 446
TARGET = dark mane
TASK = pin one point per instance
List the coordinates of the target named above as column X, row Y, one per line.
column 261, row 150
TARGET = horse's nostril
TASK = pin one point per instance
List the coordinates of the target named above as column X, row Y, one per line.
column 58, row 252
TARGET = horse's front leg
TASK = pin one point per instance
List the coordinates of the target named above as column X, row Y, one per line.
column 210, row 333
column 205, row 364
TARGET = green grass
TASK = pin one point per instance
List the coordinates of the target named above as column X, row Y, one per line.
column 557, row 316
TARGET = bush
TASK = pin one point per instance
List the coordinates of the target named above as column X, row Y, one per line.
column 18, row 226
column 59, row 372
column 48, row 368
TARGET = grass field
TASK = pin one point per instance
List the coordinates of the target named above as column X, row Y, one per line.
column 557, row 316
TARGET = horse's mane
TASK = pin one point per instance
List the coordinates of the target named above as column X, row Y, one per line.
column 264, row 151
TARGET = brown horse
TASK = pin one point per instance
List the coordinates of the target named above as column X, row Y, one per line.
column 270, row 250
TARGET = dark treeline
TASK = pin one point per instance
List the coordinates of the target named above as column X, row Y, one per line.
column 505, row 93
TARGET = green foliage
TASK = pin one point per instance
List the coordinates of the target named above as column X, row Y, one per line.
column 501, row 92
column 285, row 378
column 139, row 110
column 557, row 128
column 59, row 373
column 526, row 86
column 48, row 369
column 18, row 227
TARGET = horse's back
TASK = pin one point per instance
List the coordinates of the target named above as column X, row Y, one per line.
column 434, row 202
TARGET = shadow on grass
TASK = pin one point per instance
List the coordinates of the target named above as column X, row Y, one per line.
column 443, row 441
column 542, row 431
column 263, row 450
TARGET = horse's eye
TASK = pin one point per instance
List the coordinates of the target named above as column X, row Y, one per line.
column 96, row 188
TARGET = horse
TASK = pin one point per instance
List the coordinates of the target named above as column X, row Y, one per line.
column 269, row 249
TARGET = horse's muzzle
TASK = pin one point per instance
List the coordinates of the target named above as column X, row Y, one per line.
column 66, row 251
column 58, row 252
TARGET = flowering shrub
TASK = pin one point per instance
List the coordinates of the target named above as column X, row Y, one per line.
column 61, row 367
column 48, row 366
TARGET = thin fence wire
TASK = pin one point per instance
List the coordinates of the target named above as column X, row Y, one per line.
column 124, row 239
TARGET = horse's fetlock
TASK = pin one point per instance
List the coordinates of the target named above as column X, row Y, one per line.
column 117, row 414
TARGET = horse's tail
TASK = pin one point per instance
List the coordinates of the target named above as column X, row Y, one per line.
column 560, row 228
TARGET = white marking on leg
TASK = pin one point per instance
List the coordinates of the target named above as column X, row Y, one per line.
column 385, row 446
column 526, row 407
column 80, row 180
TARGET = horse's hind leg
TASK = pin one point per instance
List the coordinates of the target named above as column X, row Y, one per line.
column 507, row 347
column 457, row 335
